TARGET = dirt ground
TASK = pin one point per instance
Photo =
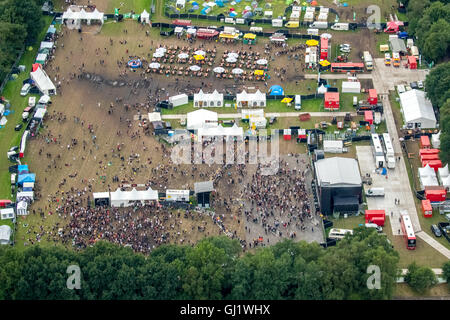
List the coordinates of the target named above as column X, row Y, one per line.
column 90, row 138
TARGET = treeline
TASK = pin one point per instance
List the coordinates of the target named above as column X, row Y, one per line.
column 216, row 268
column 437, row 85
column 429, row 21
column 20, row 23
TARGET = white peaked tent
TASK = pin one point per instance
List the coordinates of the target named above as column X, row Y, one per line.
column 322, row 89
column 446, row 182
column 121, row 198
column 201, row 119
column 427, row 171
column 443, row 172
column 257, row 99
column 145, row 17
column 436, row 140
column 43, row 82
column 220, row 131
column 82, row 15
column 202, row 99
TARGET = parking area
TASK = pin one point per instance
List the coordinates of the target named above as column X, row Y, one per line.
column 396, row 186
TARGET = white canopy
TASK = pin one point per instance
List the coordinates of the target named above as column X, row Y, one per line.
column 154, row 116
column 428, row 181
column 41, row 57
column 5, row 234
column 201, row 119
column 436, row 140
column 40, row 113
column 43, row 81
column 351, row 87
column 78, row 16
column 158, row 54
column 154, row 65
column 200, row 52
column 233, row 55
column 257, row 99
column 46, row 45
column 126, row 198
column 22, row 208
column 145, row 17
column 44, row 99
column 219, row 131
column 202, row 99
column 237, row 71
column 194, row 68
column 417, row 109
column 443, row 172
column 218, row 69
column 322, row 89
column 178, row 30
column 261, row 61
column 446, row 181
column 427, row 171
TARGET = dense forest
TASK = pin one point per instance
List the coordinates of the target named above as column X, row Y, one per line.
column 20, row 23
column 215, row 268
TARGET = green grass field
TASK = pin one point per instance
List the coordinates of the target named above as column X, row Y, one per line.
column 9, row 137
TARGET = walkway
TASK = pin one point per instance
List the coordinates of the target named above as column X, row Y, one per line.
column 268, row 115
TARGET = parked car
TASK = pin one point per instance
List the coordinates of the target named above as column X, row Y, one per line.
column 345, row 50
column 414, row 85
column 25, row 89
column 272, row 120
column 420, row 84
column 31, row 101
column 18, row 127
column 435, row 230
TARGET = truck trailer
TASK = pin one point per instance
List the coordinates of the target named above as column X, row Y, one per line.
column 368, row 61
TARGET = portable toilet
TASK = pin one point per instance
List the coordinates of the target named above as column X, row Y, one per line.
column 373, row 98
column 287, row 134
column 425, row 142
column 368, row 116
column 302, row 135
column 427, row 209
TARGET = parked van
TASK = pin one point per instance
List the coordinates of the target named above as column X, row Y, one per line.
column 25, row 89
column 319, row 25
column 256, row 29
column 313, row 32
column 375, row 192
column 374, row 225
column 298, row 102
column 340, row 26
column 292, row 24
column 339, row 233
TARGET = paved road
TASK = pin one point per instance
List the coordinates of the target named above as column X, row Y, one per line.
column 268, row 115
column 337, row 76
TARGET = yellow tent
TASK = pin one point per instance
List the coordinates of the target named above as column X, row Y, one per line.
column 312, row 43
column 324, row 63
column 259, row 72
column 251, row 36
column 286, row 100
column 199, row 57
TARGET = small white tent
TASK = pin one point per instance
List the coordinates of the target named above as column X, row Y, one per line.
column 22, row 208
column 5, row 234
column 205, row 100
column 201, row 119
column 446, row 182
column 7, row 213
column 443, row 172
column 351, row 87
column 145, row 17
column 179, row 100
column 427, row 171
column 220, row 131
column 428, row 181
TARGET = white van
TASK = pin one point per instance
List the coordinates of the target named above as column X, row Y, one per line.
column 340, row 26
column 256, row 29
column 338, row 234
column 319, row 25
column 374, row 225
column 25, row 89
column 298, row 102
column 375, row 192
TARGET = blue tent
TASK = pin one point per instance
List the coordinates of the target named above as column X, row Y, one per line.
column 276, row 90
column 219, row 3
column 22, row 168
column 384, row 172
column 204, row 10
column 233, row 14
column 194, row 3
column 345, row 4
column 27, row 177
column 403, row 35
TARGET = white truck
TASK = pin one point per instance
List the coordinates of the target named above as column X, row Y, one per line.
column 319, row 25
column 389, row 151
column 375, row 192
column 340, row 26
column 368, row 61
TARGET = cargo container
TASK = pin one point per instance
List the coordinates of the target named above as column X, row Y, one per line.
column 375, row 216
column 427, row 209
column 435, row 193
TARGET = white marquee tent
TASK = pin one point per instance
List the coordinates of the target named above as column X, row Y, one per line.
column 351, row 87
column 5, row 234
column 257, row 99
column 427, row 171
column 417, row 110
column 220, row 131
column 22, row 208
column 121, row 198
column 43, row 82
column 201, row 119
column 443, row 172
column 7, row 213
column 202, row 99
column 82, row 15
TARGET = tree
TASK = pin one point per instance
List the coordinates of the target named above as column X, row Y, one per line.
column 420, row 278
column 11, row 262
column 446, row 272
column 437, row 84
column 435, row 45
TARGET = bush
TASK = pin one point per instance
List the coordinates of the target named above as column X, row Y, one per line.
column 420, row 278
column 446, row 272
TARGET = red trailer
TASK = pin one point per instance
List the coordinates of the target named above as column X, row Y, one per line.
column 302, row 135
column 183, row 23
column 435, row 193
column 375, row 216
column 412, row 62
column 391, row 27
column 287, row 134
column 428, row 151
column 368, row 116
column 427, row 157
column 435, row 164
column 425, row 142
column 324, row 48
column 427, row 209
column 373, row 97
column 4, row 203
column 331, row 100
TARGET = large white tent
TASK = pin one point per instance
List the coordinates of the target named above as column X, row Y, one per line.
column 145, row 17
column 201, row 119
column 5, row 234
column 257, row 99
column 351, row 87
column 427, row 177
column 427, row 171
column 121, row 198
column 202, row 99
column 80, row 16
column 417, row 110
column 43, row 82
